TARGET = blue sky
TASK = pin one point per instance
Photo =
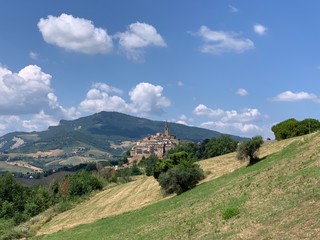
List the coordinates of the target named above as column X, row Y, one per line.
column 237, row 67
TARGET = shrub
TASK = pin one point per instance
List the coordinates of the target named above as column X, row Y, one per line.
column 83, row 183
column 135, row 170
column 180, row 179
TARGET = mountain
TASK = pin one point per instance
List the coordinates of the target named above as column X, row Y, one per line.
column 105, row 131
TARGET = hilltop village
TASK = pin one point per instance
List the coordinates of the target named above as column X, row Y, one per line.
column 157, row 145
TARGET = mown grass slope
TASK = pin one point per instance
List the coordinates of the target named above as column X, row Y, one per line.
column 277, row 198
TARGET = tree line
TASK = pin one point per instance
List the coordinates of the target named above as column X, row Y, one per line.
column 18, row 203
column 293, row 128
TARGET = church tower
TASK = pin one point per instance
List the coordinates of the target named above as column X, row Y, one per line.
column 166, row 129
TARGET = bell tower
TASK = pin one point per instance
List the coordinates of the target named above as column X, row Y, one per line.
column 166, row 129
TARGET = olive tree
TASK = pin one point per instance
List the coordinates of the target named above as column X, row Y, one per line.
column 248, row 150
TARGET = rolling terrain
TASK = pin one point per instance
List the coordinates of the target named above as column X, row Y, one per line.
column 279, row 193
column 99, row 137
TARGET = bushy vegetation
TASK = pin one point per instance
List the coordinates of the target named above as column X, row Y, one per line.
column 180, row 178
column 248, row 149
column 177, row 173
column 293, row 128
column 18, row 203
column 82, row 183
column 207, row 148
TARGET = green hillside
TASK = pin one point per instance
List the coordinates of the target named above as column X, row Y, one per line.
column 105, row 131
column 277, row 198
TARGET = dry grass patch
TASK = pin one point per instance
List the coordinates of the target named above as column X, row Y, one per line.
column 116, row 200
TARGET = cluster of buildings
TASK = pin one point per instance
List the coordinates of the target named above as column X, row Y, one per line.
column 157, row 145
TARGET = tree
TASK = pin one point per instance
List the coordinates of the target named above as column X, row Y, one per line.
column 135, row 170
column 178, row 173
column 180, row 178
column 249, row 149
column 149, row 164
column 162, row 166
column 293, row 128
column 83, row 183
column 218, row 146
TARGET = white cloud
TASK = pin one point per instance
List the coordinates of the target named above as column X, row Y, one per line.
column 34, row 55
column 240, row 129
column 28, row 94
column 75, row 34
column 233, row 9
column 138, row 37
column 232, row 122
column 39, row 121
column 203, row 110
column 99, row 99
column 148, row 98
column 24, row 92
column 260, row 29
column 183, row 119
column 9, row 123
column 107, row 88
column 289, row 96
column 30, row 122
column 245, row 115
column 242, row 92
column 217, row 42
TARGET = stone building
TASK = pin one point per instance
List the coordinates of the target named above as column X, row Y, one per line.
column 157, row 145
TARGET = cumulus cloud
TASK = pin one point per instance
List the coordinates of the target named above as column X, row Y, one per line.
column 289, row 96
column 242, row 92
column 28, row 93
column 148, row 98
column 203, row 110
column 9, row 123
column 100, row 98
column 138, row 37
column 245, row 115
column 218, row 42
column 24, row 92
column 29, row 122
column 242, row 129
column 39, row 121
column 231, row 122
column 260, row 29
column 183, row 119
column 75, row 34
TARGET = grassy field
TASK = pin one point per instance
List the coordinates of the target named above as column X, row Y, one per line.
column 277, row 198
column 4, row 166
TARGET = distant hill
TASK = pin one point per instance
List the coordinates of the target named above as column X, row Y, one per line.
column 110, row 132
